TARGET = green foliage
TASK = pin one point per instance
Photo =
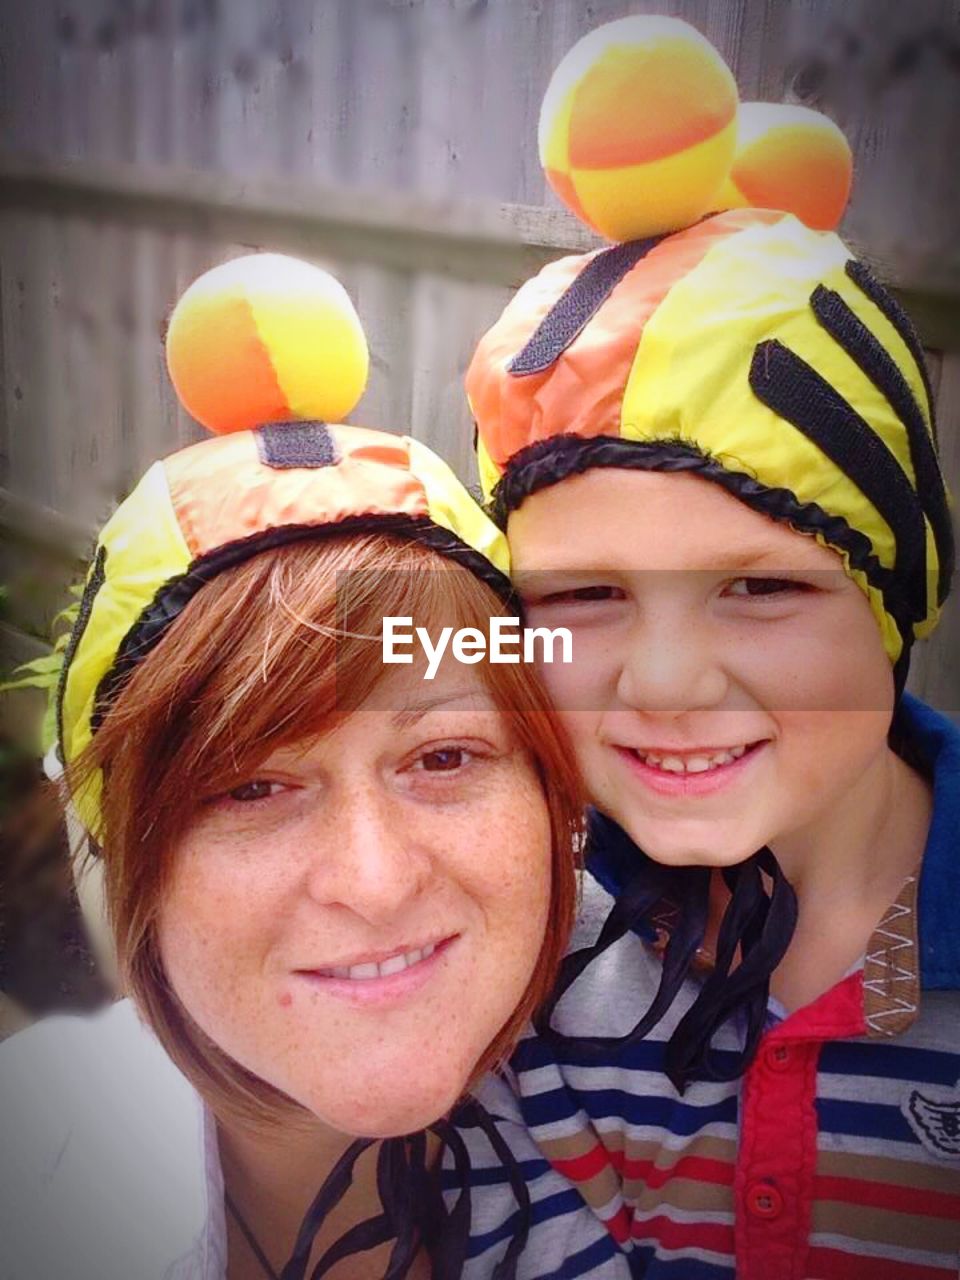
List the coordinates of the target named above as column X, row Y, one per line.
column 44, row 673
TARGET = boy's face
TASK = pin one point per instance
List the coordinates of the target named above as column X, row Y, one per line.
column 729, row 686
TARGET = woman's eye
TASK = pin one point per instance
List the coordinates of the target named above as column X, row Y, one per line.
column 257, row 789
column 443, row 760
column 752, row 588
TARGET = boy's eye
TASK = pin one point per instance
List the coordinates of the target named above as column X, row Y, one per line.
column 581, row 595
column 752, row 588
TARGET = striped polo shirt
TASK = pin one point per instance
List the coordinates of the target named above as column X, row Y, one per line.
column 836, row 1156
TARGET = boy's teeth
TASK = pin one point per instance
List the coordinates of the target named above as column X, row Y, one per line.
column 394, row 964
column 698, row 764
column 691, row 764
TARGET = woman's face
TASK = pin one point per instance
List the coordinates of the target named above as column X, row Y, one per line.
column 355, row 922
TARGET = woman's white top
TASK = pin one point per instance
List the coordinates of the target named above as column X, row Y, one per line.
column 109, row 1168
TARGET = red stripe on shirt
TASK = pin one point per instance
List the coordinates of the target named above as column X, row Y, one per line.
column 580, row 1168
column 713, row 1236
column 699, row 1168
column 619, row 1225
column 885, row 1195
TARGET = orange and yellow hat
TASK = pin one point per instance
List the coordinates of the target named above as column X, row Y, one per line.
column 275, row 342
column 742, row 343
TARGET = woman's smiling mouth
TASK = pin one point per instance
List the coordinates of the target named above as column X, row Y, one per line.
column 382, row 978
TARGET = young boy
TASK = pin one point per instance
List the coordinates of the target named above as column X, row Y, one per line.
column 713, row 455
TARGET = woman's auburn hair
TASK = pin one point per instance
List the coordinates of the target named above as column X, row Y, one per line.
column 266, row 653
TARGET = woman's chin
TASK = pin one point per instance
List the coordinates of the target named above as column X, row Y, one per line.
column 379, row 1109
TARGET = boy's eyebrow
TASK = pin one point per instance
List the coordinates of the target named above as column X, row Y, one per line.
column 730, row 558
column 744, row 558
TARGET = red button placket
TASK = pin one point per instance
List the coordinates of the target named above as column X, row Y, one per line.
column 776, row 1160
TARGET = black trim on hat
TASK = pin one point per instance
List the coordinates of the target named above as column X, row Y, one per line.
column 849, row 332
column 579, row 302
column 292, row 445
column 175, row 594
column 95, row 581
column 547, row 462
column 868, row 284
column 794, row 390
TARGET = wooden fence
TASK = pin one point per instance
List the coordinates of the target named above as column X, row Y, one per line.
column 394, row 140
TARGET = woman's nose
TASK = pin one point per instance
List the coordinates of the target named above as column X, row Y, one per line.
column 369, row 856
column 671, row 664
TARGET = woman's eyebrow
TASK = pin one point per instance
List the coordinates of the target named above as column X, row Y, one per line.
column 414, row 711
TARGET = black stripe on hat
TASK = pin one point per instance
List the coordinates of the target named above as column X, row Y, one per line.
column 785, row 383
column 850, row 333
column 575, row 307
column 95, row 581
column 868, row 284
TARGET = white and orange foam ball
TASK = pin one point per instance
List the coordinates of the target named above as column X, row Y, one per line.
column 638, row 127
column 790, row 158
column 266, row 338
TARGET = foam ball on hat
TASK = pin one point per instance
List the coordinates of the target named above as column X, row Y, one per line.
column 266, row 338
column 638, row 127
column 791, row 158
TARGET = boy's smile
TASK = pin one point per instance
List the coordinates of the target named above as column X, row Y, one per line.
column 702, row 771
column 729, row 686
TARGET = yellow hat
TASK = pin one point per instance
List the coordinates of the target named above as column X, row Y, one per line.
column 218, row 502
column 746, row 347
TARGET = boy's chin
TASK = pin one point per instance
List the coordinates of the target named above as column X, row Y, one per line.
column 685, row 846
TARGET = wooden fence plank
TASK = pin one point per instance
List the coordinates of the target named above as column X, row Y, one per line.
column 486, row 243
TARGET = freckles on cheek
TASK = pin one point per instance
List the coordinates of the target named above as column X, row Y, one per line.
column 521, row 881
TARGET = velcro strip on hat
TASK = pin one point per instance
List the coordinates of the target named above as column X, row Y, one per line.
column 868, row 284
column 848, row 330
column 797, row 393
column 95, row 581
column 291, row 445
column 582, row 300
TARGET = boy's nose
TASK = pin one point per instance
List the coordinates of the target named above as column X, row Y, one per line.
column 669, row 667
column 368, row 857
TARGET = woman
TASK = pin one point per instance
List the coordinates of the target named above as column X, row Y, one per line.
column 336, row 891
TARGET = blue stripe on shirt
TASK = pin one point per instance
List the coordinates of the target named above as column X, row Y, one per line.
column 635, row 1109
column 890, row 1061
column 864, row 1120
column 647, row 1055
column 493, row 1175
column 645, row 1263
column 583, row 1261
column 541, row 1211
